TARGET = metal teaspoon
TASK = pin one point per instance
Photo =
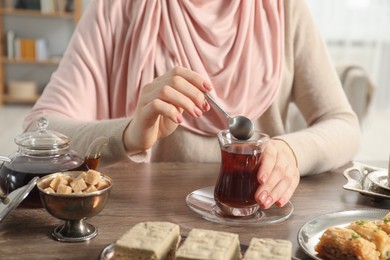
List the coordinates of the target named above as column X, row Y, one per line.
column 240, row 127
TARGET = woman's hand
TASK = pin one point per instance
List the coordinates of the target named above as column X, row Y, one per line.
column 161, row 105
column 278, row 175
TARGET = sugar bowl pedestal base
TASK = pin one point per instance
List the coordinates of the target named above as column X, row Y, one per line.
column 74, row 231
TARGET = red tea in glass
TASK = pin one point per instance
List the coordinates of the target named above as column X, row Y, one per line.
column 237, row 181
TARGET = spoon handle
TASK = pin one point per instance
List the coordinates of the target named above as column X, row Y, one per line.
column 217, row 106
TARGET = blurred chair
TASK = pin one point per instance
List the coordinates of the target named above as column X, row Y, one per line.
column 358, row 89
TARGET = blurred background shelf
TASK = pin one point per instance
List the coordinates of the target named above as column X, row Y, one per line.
column 20, row 100
column 38, row 13
column 49, row 62
column 34, row 35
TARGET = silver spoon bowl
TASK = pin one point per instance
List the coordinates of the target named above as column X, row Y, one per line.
column 240, row 127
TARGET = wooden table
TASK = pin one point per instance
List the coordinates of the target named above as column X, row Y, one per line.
column 157, row 192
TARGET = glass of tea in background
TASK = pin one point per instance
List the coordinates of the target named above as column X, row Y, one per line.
column 237, row 181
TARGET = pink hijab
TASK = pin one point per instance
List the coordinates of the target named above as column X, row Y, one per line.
column 120, row 46
column 236, row 45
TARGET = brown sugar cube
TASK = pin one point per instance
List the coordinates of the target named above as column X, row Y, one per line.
column 49, row 190
column 78, row 185
column 102, row 184
column 91, row 188
column 92, row 177
column 64, row 189
column 58, row 180
column 45, row 183
column 82, row 175
column 68, row 178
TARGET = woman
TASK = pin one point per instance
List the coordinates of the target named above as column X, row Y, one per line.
column 136, row 71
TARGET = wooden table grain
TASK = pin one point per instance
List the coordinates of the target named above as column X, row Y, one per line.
column 157, row 192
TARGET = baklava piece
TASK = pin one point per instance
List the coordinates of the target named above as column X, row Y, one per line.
column 343, row 243
column 370, row 231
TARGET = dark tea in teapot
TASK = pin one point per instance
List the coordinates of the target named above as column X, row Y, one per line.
column 43, row 152
column 23, row 170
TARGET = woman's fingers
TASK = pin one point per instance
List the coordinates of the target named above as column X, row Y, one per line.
column 159, row 107
column 278, row 175
column 161, row 104
column 282, row 188
column 194, row 78
column 285, row 197
column 180, row 93
column 181, row 88
column 268, row 161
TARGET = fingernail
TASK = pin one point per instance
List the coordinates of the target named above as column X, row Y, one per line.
column 198, row 112
column 206, row 105
column 263, row 195
column 179, row 119
column 280, row 202
column 263, row 179
column 268, row 202
column 207, row 85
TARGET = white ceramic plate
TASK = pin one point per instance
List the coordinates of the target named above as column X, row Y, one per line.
column 202, row 202
column 379, row 178
column 310, row 233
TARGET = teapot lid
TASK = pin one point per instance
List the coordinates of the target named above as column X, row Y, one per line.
column 42, row 139
column 11, row 201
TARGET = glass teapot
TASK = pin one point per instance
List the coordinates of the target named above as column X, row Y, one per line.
column 40, row 153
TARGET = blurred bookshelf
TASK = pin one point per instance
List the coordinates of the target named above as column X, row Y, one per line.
column 33, row 37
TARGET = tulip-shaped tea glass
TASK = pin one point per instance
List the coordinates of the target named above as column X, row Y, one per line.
column 234, row 192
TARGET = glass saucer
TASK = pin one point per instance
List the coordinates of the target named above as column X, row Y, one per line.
column 202, row 202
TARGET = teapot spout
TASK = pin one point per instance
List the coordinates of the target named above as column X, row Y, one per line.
column 93, row 154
